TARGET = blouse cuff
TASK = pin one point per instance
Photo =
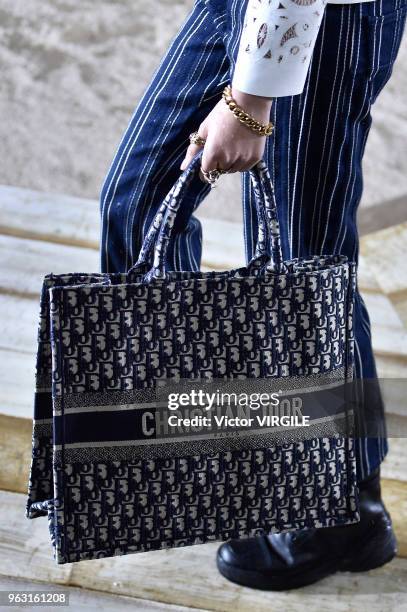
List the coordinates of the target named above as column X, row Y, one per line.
column 271, row 81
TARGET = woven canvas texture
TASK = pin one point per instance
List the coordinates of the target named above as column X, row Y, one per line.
column 103, row 337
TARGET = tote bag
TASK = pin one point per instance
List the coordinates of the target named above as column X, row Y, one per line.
column 110, row 474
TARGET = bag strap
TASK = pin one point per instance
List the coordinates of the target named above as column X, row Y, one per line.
column 152, row 256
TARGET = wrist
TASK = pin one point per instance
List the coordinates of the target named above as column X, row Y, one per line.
column 252, row 104
column 256, row 117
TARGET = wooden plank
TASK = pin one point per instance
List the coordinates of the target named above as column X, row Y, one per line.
column 389, row 341
column 366, row 278
column 399, row 301
column 211, row 591
column 25, row 263
column 62, row 219
column 222, row 244
column 385, row 252
column 76, row 221
column 17, row 380
column 380, row 216
column 396, row 425
column 92, row 600
column 394, row 392
column 59, row 218
column 184, row 577
column 15, row 453
column 52, row 217
column 391, row 367
column 394, row 465
column 394, row 495
column 381, row 310
column 19, row 319
column 25, row 548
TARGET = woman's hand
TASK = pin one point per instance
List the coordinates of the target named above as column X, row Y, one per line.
column 231, row 145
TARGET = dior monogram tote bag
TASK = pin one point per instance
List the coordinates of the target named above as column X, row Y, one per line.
column 113, row 470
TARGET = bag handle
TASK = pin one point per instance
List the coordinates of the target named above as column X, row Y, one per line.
column 152, row 256
column 147, row 248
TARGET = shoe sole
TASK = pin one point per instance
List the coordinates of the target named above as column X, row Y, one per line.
column 380, row 550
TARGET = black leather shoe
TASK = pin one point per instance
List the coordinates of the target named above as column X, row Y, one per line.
column 293, row 559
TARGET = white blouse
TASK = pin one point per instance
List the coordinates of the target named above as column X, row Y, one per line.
column 276, row 45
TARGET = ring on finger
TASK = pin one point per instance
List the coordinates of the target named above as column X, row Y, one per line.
column 196, row 139
column 211, row 176
column 215, row 174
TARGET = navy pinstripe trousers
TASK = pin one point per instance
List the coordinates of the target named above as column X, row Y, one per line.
column 314, row 156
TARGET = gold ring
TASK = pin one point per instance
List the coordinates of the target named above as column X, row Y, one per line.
column 216, row 172
column 196, row 139
column 212, row 176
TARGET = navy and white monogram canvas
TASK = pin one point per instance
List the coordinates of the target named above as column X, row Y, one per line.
column 110, row 474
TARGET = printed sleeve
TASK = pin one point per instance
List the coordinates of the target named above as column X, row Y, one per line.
column 276, row 45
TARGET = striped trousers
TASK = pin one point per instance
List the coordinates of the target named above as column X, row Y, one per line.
column 314, row 156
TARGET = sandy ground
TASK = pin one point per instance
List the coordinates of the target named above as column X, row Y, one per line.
column 72, row 74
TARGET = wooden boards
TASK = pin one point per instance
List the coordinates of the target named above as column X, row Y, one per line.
column 90, row 599
column 183, row 577
column 386, row 252
column 64, row 220
column 15, row 453
column 25, row 262
column 49, row 217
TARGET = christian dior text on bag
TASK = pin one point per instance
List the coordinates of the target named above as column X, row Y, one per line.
column 110, row 486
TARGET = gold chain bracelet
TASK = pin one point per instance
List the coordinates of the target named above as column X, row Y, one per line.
column 259, row 128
